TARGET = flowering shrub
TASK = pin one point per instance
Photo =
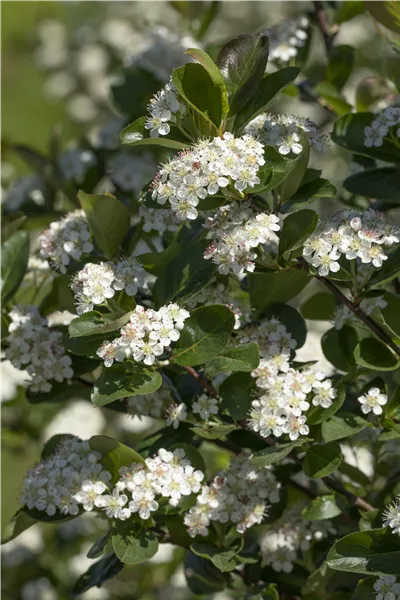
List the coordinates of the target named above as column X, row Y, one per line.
column 184, row 290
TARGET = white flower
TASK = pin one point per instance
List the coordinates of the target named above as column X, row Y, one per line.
column 157, row 122
column 373, row 401
column 112, row 503
column 325, row 393
column 387, row 587
column 175, row 414
column 89, row 492
column 205, row 406
column 143, row 504
column 295, row 426
column 391, row 516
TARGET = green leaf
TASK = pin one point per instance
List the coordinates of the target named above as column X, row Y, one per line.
column 244, row 357
column 307, row 193
column 114, row 454
column 108, row 220
column 197, row 88
column 323, row 507
column 332, row 97
column 292, row 182
column 131, row 90
column 242, row 62
column 274, row 454
column 322, row 459
column 342, row 426
column 20, row 522
column 338, row 347
column 104, row 569
column 375, row 355
column 292, row 319
column 318, row 414
column 386, row 12
column 134, row 135
column 391, row 313
column 276, row 287
column 98, row 547
column 340, row 65
column 224, row 561
column 14, row 262
column 319, row 307
column 375, row 551
column 381, row 183
column 348, row 132
column 10, row 224
column 389, row 270
column 296, row 229
column 202, row 577
column 214, row 432
column 94, row 323
column 131, row 544
column 235, row 393
column 393, row 406
column 114, row 384
column 349, row 9
column 205, row 335
column 365, row 587
column 213, row 71
column 268, row 88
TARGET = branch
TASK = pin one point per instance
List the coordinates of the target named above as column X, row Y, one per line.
column 355, row 309
column 322, row 21
column 206, row 385
column 352, row 498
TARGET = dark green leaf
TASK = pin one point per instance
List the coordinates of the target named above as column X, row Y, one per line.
column 365, row 587
column 134, row 135
column 235, row 392
column 108, row 220
column 319, row 307
column 205, row 335
column 214, row 432
column 202, row 576
column 197, row 88
column 98, row 547
column 213, row 71
column 375, row 355
column 291, row 318
column 322, row 459
column 131, row 544
column 268, row 88
column 244, row 357
column 382, row 183
column 292, row 182
column 386, row 12
column 274, row 454
column 19, row 523
column 338, row 347
column 342, row 426
column 60, row 392
column 307, row 193
column 223, row 560
column 103, row 570
column 276, row 287
column 14, row 262
column 296, row 229
column 114, row 384
column 349, row 9
column 376, row 551
column 114, row 454
column 340, row 65
column 391, row 313
column 94, row 322
column 323, row 507
column 10, row 224
column 131, row 90
column 242, row 62
column 389, row 270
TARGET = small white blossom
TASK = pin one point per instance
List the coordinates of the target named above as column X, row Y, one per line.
column 205, row 406
column 373, row 401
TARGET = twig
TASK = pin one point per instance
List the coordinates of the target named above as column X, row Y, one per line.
column 203, row 382
column 352, row 498
column 320, row 16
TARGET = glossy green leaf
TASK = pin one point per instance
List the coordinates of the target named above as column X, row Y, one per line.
column 244, row 357
column 205, row 335
column 14, row 262
column 214, row 432
column 374, row 552
column 338, row 347
column 116, row 383
column 307, row 193
column 235, row 394
column 381, row 183
column 197, row 88
column 296, row 229
column 10, row 224
column 204, row 59
column 276, row 287
column 131, row 544
column 323, row 507
column 108, row 220
column 94, row 322
column 391, row 313
column 342, row 425
column 98, row 547
column 242, row 62
column 365, row 587
column 389, row 270
column 114, row 454
column 375, row 355
column 101, row 571
column 223, row 560
column 135, row 135
column 322, row 459
column 274, row 454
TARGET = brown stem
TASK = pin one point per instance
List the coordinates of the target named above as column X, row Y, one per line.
column 355, row 309
column 352, row 498
column 320, row 16
column 203, row 382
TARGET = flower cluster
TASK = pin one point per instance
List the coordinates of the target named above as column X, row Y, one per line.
column 387, row 588
column 373, row 401
column 150, row 405
column 288, row 392
column 286, row 39
column 232, row 250
column 168, row 475
column 71, row 476
column 380, row 126
column 287, row 133
column 391, row 516
column 36, row 348
column 130, row 172
column 94, row 284
column 66, row 240
column 154, row 219
column 274, row 341
column 240, row 494
column 210, row 165
column 218, row 294
column 353, row 234
column 146, row 335
column 164, row 108
column 280, row 546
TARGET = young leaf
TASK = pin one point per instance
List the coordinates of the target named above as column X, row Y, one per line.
column 342, row 426
column 242, row 62
column 205, row 335
column 14, row 262
column 296, row 229
column 131, row 544
column 375, row 355
column 269, row 87
column 114, row 384
column 108, row 220
column 372, row 552
column 322, row 459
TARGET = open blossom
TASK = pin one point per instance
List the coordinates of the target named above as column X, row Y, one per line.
column 175, row 414
column 387, row 587
column 66, row 240
column 205, row 406
column 33, row 346
column 146, row 336
column 373, row 401
column 375, row 133
column 391, row 516
column 287, row 38
column 205, row 169
column 164, row 108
